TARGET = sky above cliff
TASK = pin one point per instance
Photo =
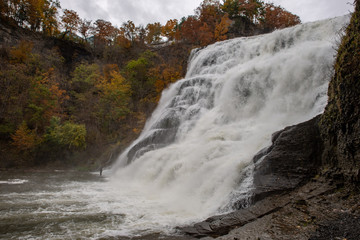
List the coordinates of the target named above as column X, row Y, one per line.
column 149, row 11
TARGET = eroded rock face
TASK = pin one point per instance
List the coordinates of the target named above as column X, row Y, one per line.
column 293, row 159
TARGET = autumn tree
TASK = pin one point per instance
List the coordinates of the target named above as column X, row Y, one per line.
column 21, row 53
column 169, row 29
column 153, row 31
column 222, row 28
column 189, row 28
column 209, row 12
column 85, row 28
column 166, row 74
column 129, row 30
column 71, row 21
column 50, row 23
column 24, row 139
column 103, row 31
column 276, row 17
column 45, row 100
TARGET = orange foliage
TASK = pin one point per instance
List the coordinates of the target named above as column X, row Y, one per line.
column 153, row 33
column 21, row 53
column 209, row 12
column 166, row 76
column 189, row 29
column 70, row 20
column 169, row 30
column 222, row 28
column 84, row 28
column 24, row 139
column 103, row 31
column 277, row 17
column 108, row 69
column 48, row 97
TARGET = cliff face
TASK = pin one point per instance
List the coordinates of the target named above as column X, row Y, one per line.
column 340, row 123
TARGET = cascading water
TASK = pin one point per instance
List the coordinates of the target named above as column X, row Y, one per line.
column 191, row 155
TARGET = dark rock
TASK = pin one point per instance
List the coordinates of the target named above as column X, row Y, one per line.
column 346, row 226
column 222, row 224
column 292, row 160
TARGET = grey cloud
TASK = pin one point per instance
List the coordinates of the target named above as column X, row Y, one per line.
column 149, row 11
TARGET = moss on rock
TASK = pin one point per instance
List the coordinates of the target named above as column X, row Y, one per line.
column 340, row 126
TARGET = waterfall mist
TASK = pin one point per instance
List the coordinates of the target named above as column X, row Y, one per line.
column 190, row 159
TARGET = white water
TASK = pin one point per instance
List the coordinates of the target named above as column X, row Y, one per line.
column 235, row 95
column 203, row 136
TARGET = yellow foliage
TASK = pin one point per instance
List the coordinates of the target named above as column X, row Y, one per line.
column 222, row 28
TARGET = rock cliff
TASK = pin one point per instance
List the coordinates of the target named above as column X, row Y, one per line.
column 340, row 123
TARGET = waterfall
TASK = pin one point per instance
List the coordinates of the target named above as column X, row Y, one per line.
column 190, row 158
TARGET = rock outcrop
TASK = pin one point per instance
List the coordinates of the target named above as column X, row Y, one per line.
column 292, row 160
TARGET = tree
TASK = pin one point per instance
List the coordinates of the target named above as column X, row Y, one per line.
column 141, row 80
column 170, row 28
column 85, row 28
column 49, row 22
column 276, row 17
column 103, row 31
column 222, row 28
column 24, row 139
column 114, row 101
column 71, row 21
column 251, row 9
column 189, row 29
column 129, row 30
column 45, row 100
column 153, row 35
column 167, row 75
column 209, row 12
column 21, row 53
column 68, row 135
column 84, row 77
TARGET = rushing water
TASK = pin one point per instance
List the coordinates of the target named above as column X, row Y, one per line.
column 194, row 155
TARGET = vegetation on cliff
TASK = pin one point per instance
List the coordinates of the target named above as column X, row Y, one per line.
column 340, row 123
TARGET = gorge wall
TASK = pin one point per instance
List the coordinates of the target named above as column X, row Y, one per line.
column 340, row 124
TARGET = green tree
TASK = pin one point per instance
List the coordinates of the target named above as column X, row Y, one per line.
column 84, row 77
column 67, row 135
column 114, row 103
column 137, row 72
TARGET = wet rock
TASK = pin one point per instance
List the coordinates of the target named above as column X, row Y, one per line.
column 293, row 159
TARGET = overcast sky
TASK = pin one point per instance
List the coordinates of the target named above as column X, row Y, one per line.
column 149, row 11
